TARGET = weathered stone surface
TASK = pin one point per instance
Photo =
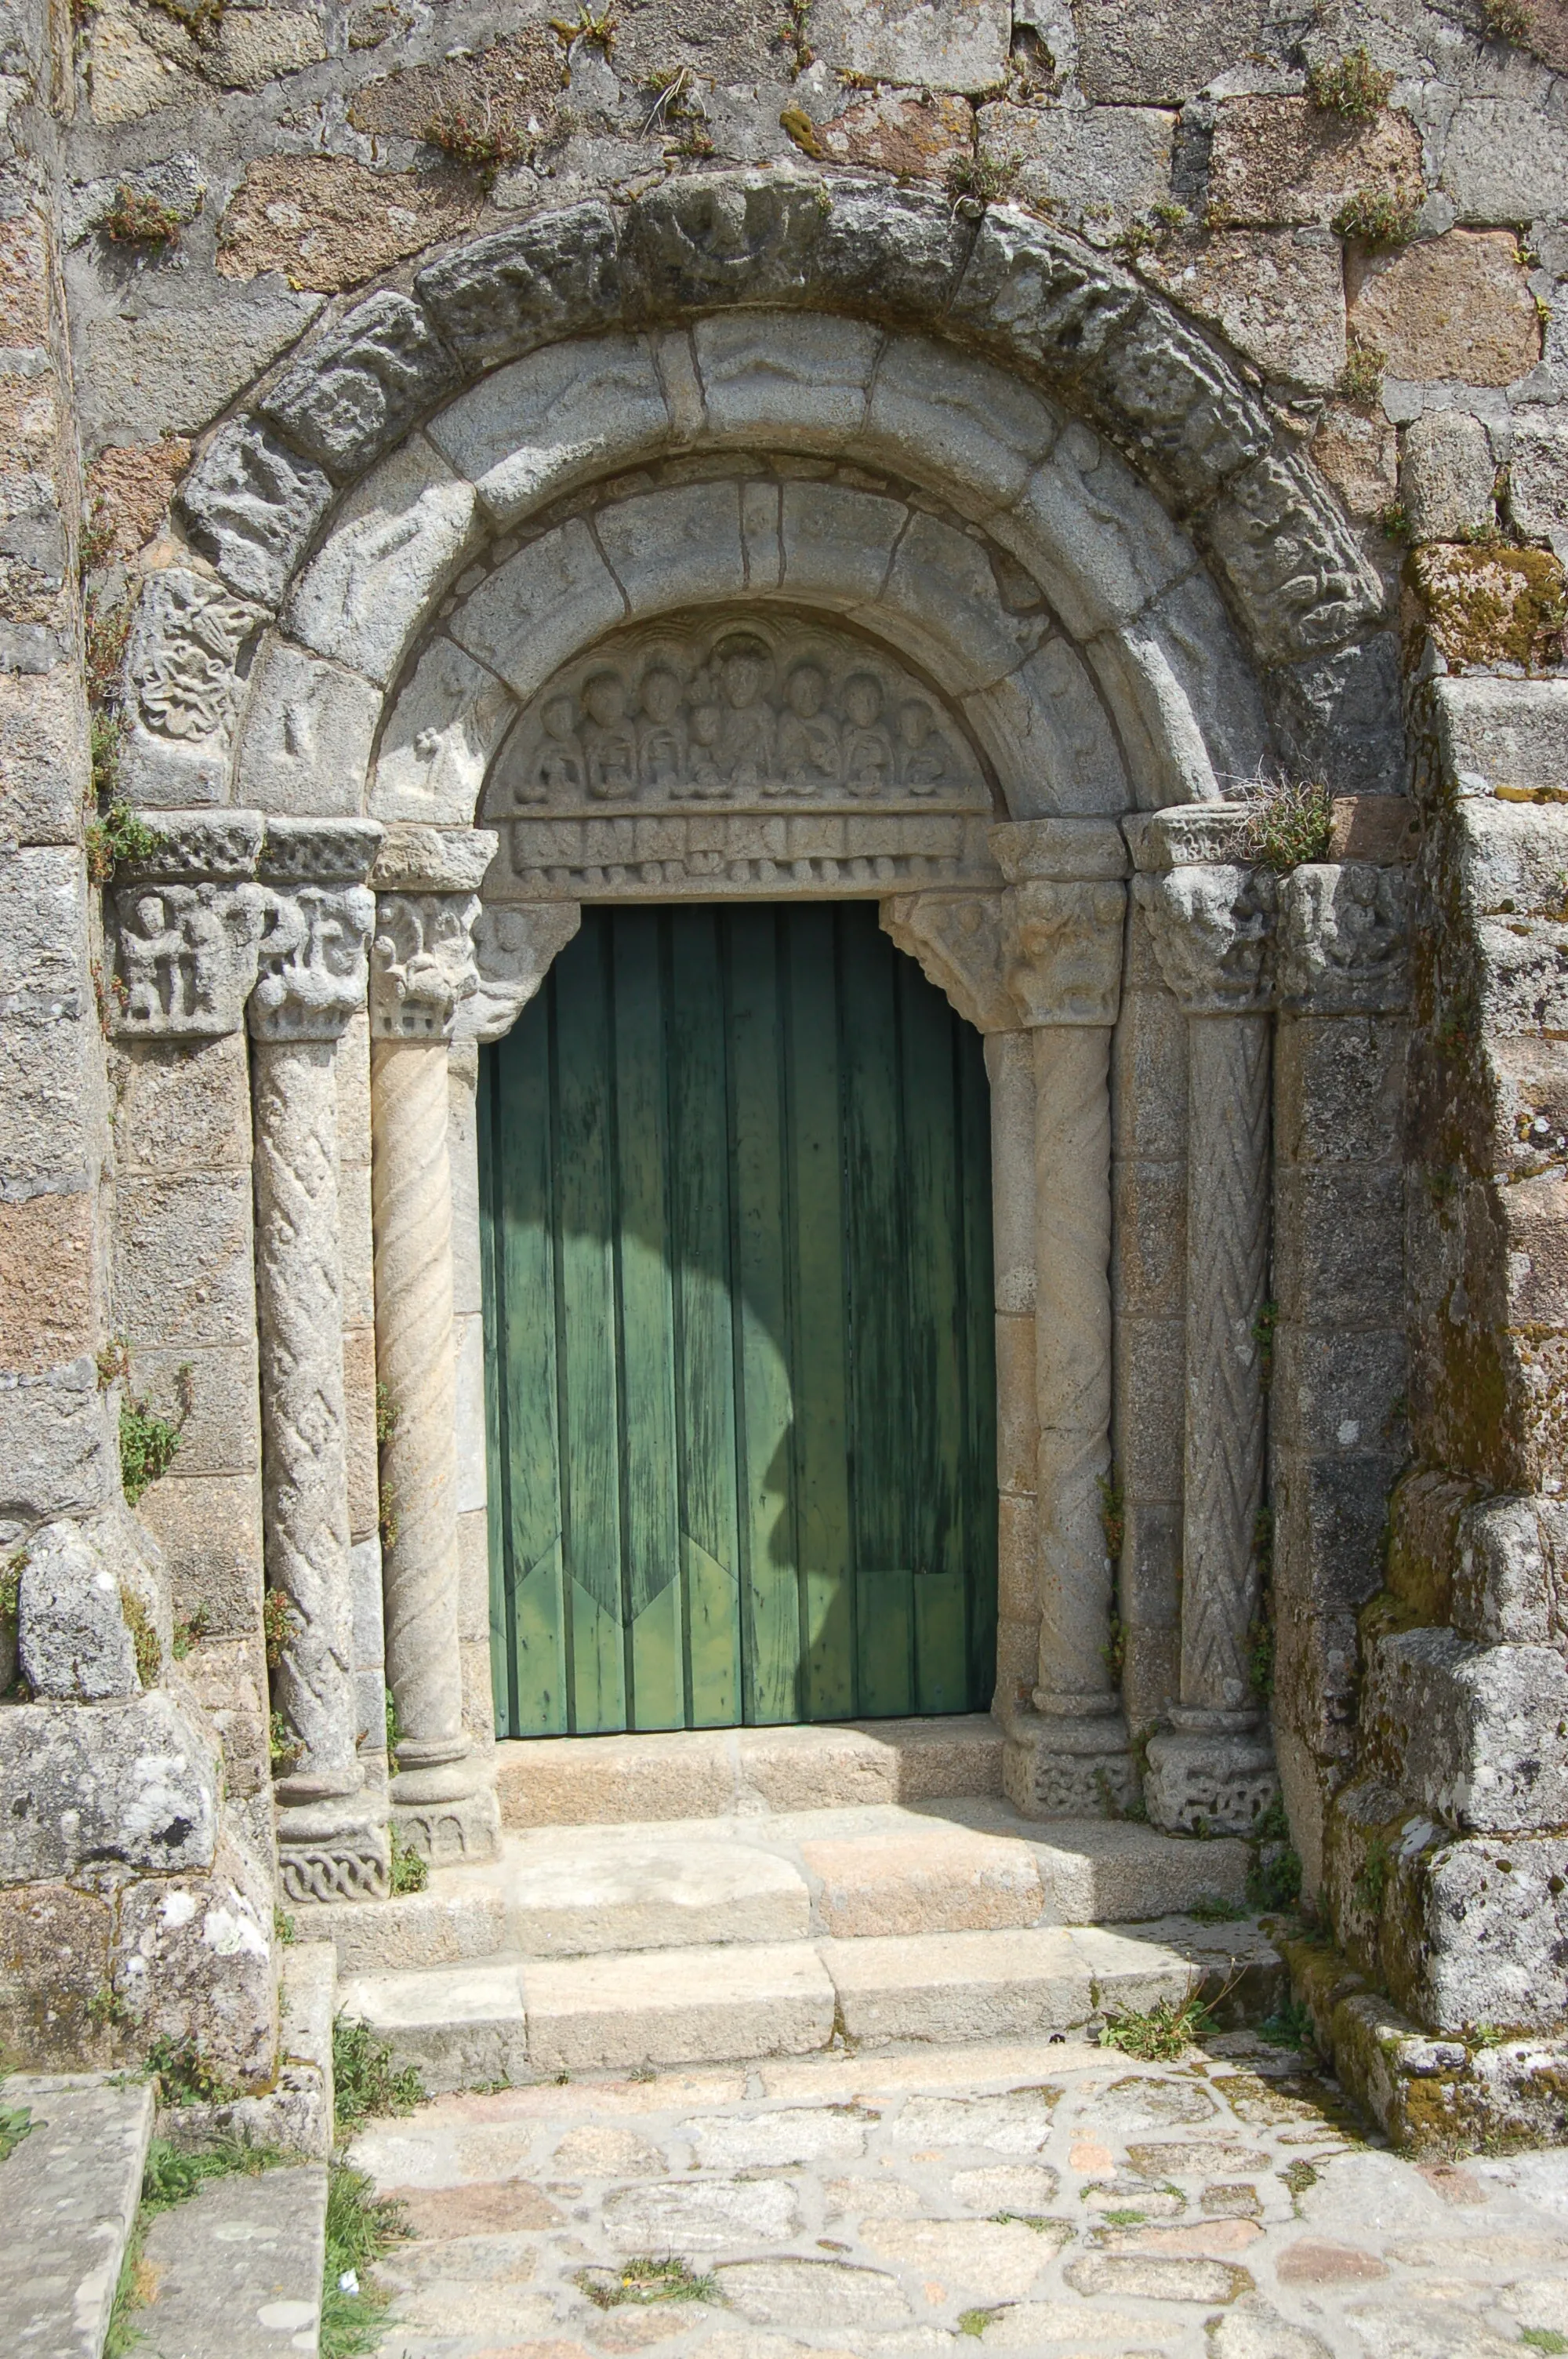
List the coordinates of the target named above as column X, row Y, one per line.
column 1081, row 160
column 1338, row 716
column 1284, row 160
column 1276, row 295
column 711, row 2215
column 71, row 2193
column 1505, row 157
column 73, row 1642
column 801, row 2294
column 135, row 1782
column 511, row 87
column 1288, row 555
column 357, row 391
column 242, row 2262
column 329, row 223
column 447, row 722
column 158, row 368
column 1469, row 1733
column 129, row 489
column 1358, row 452
column 1167, row 55
column 1538, row 478
column 393, row 545
column 307, row 738
column 252, row 506
column 896, row 131
column 571, row 410
column 1489, row 604
column 521, row 287
column 1446, row 477
column 1456, row 306
column 46, row 1306
column 678, row 2005
column 193, row 1960
column 940, row 45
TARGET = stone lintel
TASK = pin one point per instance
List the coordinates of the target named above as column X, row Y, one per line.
column 1187, row 835
column 413, row 858
column 198, row 847
column 1061, row 851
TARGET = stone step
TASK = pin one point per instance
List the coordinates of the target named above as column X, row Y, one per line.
column 858, row 1872
column 69, row 2192
column 235, row 2273
column 721, row 1773
column 730, row 2002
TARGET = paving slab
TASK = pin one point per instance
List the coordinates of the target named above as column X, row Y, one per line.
column 69, row 2192
column 236, row 2272
column 677, row 2007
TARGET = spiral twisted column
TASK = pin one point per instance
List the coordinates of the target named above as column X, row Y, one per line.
column 311, row 978
column 422, row 968
column 1210, row 924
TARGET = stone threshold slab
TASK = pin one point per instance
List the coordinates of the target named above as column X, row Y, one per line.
column 470, row 2026
column 69, row 2193
column 237, row 2269
column 862, row 1871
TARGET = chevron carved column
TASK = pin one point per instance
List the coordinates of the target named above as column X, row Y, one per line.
column 422, row 968
column 1209, row 922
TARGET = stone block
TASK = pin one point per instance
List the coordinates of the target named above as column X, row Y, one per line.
column 1289, row 558
column 360, row 1442
column 1166, row 54
column 54, row 1964
column 1017, row 1560
column 1338, row 1250
column 678, row 2006
column 134, row 1782
column 43, row 755
column 1359, row 451
column 1339, row 716
column 71, row 2205
column 1148, row 1577
column 308, row 735
column 1509, row 733
column 1470, row 1732
column 1337, row 1390
column 676, row 545
column 193, row 1960
column 1509, row 1558
column 1184, row 666
column 1330, row 1516
column 1338, row 1090
column 393, row 544
column 838, row 543
column 951, row 1986
column 1485, row 1914
column 42, row 917
column 992, row 428
column 1534, row 1222
column 211, row 1395
column 890, row 253
column 941, row 591
column 539, row 607
column 152, row 367
column 528, row 432
column 1538, row 477
column 1452, row 307
column 1078, row 161
column 49, row 1100
column 1446, row 477
column 1282, row 160
column 448, row 721
column 1150, row 1227
column 798, row 380
column 1093, row 536
column 56, row 1445
column 1150, row 1415
column 539, row 283
column 47, row 1282
column 1148, row 1062
column 228, row 1677
column 461, row 2026
column 1277, row 296
column 1175, row 396
column 1506, row 156
column 948, row 45
column 73, row 1641
column 1507, row 858
column 252, row 506
column 185, row 1271
column 357, row 391
column 1040, row 292
column 182, row 1106
column 328, row 222
column 1017, row 1435
column 1048, row 732
column 210, row 1531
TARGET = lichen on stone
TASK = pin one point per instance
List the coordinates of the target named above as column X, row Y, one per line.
column 1490, row 603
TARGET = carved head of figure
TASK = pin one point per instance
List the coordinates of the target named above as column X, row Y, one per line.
column 149, row 914
column 559, row 717
column 913, row 724
column 806, row 690
column 862, row 700
column 605, row 700
column 661, row 693
column 706, row 722
column 743, row 672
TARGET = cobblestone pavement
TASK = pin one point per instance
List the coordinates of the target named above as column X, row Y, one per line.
column 1040, row 2198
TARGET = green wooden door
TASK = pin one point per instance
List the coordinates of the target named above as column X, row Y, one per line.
column 735, row 1173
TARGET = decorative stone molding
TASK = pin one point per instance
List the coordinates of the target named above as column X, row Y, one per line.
column 182, row 672
column 515, row 945
column 423, row 964
column 1210, row 927
column 1062, row 952
column 956, row 939
column 1343, row 947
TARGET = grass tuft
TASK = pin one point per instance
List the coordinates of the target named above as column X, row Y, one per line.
column 362, row 2228
column 364, row 2080
column 1161, row 2034
column 649, row 2277
column 1351, row 86
column 1290, row 821
column 1288, row 2027
column 16, row 2121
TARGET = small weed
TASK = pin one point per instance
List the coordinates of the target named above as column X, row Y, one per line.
column 562, row 2080
column 1372, row 1876
column 363, row 2077
column 1160, row 2034
column 1378, row 218
column 1361, row 379
column 113, row 1362
column 792, row 34
column 1299, row 2176
column 1212, row 1910
column 121, row 834
column 410, row 1873
column 1351, row 86
column 1113, row 1654
column 1263, row 1326
column 143, row 1637
column 800, row 128
column 1170, row 215
column 597, row 30
column 136, row 220
column 1291, row 821
column 11, row 1573
column 647, row 2278
column 200, row 18
column 1112, row 1513
column 282, row 1927
column 1508, row 20
column 105, row 628
column 279, row 1622
column 1543, row 2338
column 386, row 1414
column 1479, row 2036
column 1124, row 2219
column 977, row 178
column 105, row 735
column 1393, row 521
column 1261, row 1653
column 16, row 2121
column 677, row 99
column 148, row 1445
column 975, row 2321
column 184, row 2075
column 284, row 1747
column 361, row 2227
column 1290, row 2026
column 188, row 1629
column 394, row 1725
column 480, row 144
column 1275, row 1882
column 173, row 2176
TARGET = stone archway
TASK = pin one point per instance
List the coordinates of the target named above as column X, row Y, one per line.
column 591, row 422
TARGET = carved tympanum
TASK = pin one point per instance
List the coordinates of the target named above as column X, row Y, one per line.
column 748, row 712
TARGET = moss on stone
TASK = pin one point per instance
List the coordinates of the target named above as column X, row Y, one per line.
column 1490, row 603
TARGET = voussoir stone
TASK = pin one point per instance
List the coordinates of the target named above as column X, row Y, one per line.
column 747, row 237
column 351, row 395
column 555, row 274
column 252, row 507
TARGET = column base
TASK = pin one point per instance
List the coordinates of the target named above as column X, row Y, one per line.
column 1056, row 1765
column 1210, row 1776
column 332, row 1851
column 448, row 1831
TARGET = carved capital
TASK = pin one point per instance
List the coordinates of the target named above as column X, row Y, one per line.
column 956, row 939
column 1210, row 929
column 515, row 945
column 312, row 962
column 185, row 959
column 1062, row 951
column 422, row 963
column 1342, row 949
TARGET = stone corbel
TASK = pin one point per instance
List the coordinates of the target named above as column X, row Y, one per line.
column 956, row 939
column 515, row 943
column 186, row 921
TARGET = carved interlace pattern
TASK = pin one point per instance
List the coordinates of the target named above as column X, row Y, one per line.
column 413, row 1224
column 1228, row 1241
column 331, row 1872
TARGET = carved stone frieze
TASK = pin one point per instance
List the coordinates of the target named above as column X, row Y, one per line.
column 1062, row 951
column 515, row 944
column 422, row 963
column 312, row 965
column 747, row 711
column 185, row 665
column 1342, row 942
column 722, row 852
column 1210, row 929
column 185, row 959
column 957, row 941
column 339, row 1868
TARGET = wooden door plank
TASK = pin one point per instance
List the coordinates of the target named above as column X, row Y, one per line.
column 586, row 1326
column 770, row 1661
column 881, row 1467
column 977, row 1325
column 650, row 1525
column 931, row 1274
column 704, row 1327
column 827, row 1556
column 503, row 1673
column 536, row 1607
